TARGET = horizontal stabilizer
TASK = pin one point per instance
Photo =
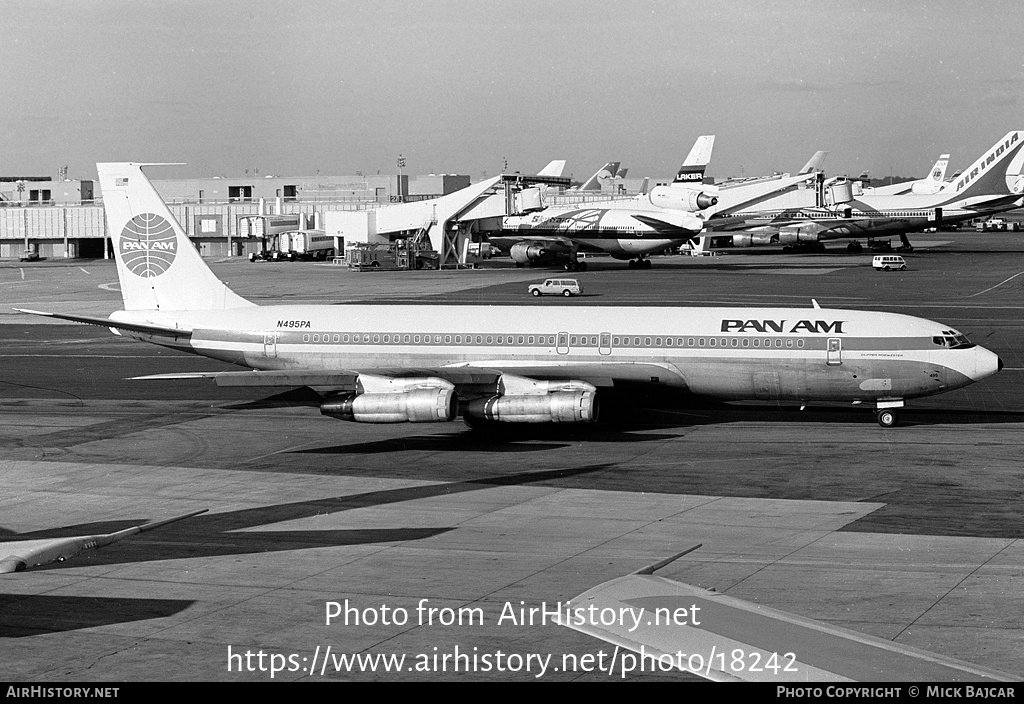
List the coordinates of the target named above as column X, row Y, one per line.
column 143, row 328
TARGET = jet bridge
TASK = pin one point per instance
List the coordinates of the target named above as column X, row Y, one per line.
column 449, row 221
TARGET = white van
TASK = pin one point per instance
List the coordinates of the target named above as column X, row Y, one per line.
column 888, row 262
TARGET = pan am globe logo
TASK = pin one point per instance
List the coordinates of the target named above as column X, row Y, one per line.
column 148, row 245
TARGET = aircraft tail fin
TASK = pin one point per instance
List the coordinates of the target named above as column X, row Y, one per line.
column 555, row 168
column 814, row 163
column 938, row 173
column 998, row 171
column 692, row 170
column 157, row 264
column 621, row 173
column 643, row 186
column 604, row 173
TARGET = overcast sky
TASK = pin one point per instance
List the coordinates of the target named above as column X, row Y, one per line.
column 300, row 87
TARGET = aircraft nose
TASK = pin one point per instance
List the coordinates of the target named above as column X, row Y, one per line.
column 986, row 363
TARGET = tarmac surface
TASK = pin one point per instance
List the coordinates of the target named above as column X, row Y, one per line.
column 911, row 533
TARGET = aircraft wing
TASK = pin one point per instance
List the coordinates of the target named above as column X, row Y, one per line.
column 667, row 223
column 482, row 372
column 723, row 638
column 20, row 555
column 555, row 243
column 146, row 329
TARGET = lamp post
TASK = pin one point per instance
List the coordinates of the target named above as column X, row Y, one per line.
column 401, row 188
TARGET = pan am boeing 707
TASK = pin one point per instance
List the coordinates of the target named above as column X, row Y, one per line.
column 509, row 364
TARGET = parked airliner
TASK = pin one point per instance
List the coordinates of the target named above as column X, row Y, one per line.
column 992, row 184
column 626, row 229
column 516, row 364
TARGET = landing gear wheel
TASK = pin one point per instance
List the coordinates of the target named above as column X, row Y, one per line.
column 581, row 266
column 888, row 418
column 632, row 263
column 645, row 263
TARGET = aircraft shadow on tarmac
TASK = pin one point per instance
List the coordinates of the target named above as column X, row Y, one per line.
column 517, row 439
column 24, row 615
column 627, row 410
column 221, row 534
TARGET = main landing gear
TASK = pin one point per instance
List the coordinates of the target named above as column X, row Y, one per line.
column 887, row 417
column 575, row 265
column 640, row 263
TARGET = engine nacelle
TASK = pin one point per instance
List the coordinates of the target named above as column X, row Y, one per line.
column 753, row 239
column 428, row 405
column 576, row 406
column 800, row 233
column 533, row 253
column 680, row 198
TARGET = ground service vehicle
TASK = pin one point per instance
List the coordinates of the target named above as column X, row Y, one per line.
column 564, row 287
column 393, row 256
column 888, row 262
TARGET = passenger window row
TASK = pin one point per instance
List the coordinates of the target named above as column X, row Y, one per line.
column 549, row 340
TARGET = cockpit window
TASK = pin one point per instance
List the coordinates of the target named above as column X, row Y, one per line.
column 952, row 340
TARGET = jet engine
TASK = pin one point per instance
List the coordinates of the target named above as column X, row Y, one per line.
column 521, row 400
column 386, row 400
column 527, row 252
column 794, row 234
column 681, row 198
column 753, row 239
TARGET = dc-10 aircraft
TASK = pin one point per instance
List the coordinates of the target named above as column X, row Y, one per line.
column 509, row 364
column 992, row 184
column 629, row 229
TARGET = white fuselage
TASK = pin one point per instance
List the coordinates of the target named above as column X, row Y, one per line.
column 798, row 354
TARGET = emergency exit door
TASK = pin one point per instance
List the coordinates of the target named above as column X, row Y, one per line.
column 835, row 351
column 270, row 344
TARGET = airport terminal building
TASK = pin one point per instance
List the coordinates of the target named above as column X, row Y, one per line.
column 58, row 219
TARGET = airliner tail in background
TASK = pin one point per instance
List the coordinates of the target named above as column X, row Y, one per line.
column 696, row 162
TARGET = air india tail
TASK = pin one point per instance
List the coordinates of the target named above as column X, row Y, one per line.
column 998, row 171
column 157, row 264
